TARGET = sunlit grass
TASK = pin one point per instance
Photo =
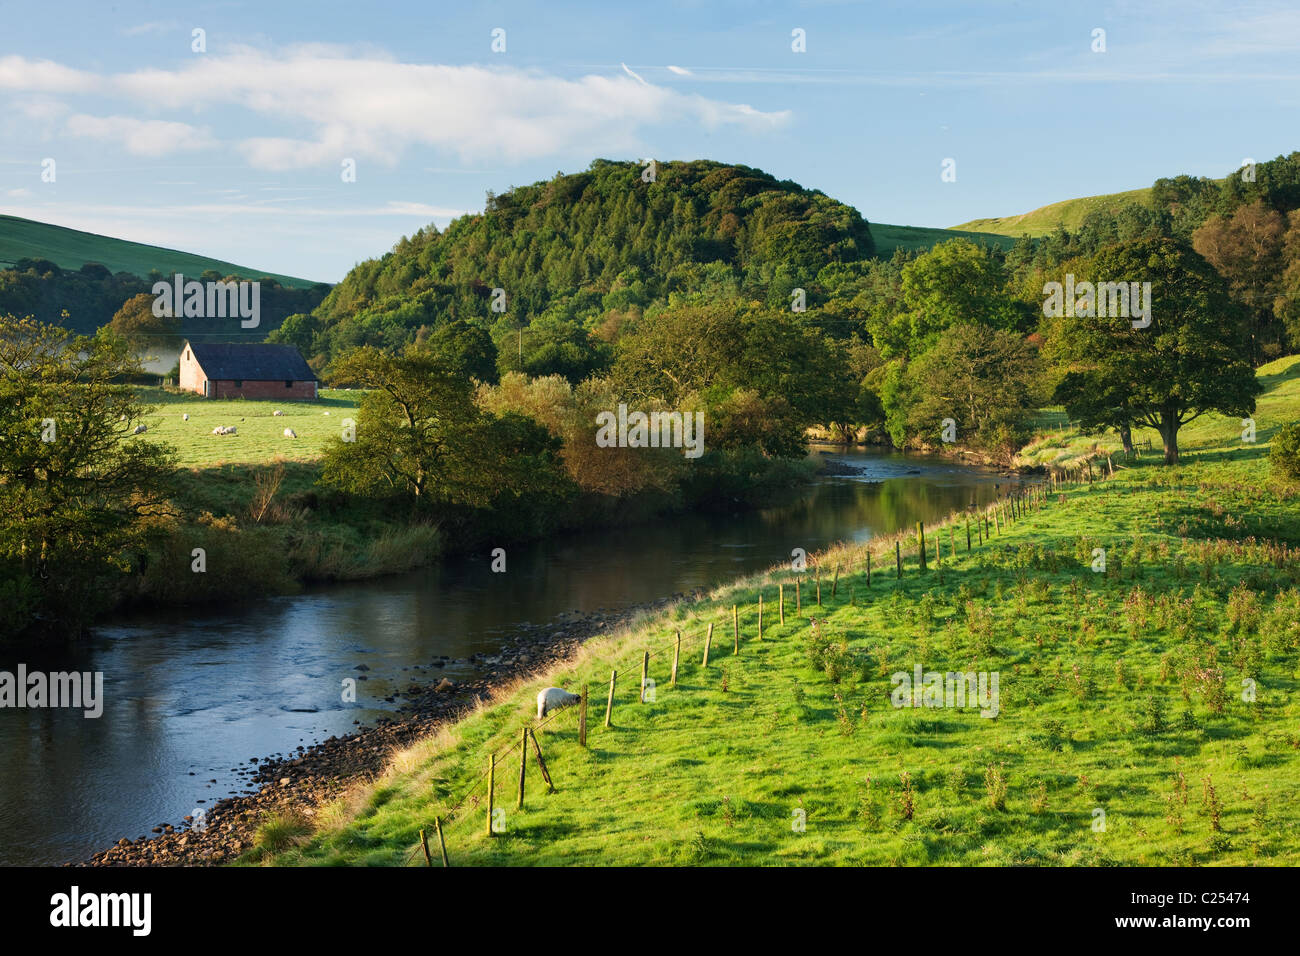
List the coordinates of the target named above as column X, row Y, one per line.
column 260, row 432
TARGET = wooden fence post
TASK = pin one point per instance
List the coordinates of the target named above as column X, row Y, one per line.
column 780, row 601
column 968, row 532
column 898, row 560
column 920, row 538
column 868, row 569
column 952, row 543
column 645, row 671
column 735, row 628
column 798, row 600
column 546, row 774
column 677, row 653
column 442, row 843
column 492, row 786
column 523, row 767
column 708, row 642
column 424, row 842
column 609, row 704
column 819, row 587
column 835, row 583
column 760, row 615
column 582, row 718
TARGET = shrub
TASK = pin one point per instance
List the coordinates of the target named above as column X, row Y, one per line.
column 1285, row 456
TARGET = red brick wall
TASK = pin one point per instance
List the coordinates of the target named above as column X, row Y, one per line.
column 251, row 389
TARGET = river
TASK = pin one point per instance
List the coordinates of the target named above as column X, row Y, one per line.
column 192, row 694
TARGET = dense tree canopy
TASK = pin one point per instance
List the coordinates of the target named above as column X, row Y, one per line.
column 1191, row 358
column 77, row 487
column 575, row 252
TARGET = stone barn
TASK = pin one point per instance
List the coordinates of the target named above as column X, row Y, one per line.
column 246, row 371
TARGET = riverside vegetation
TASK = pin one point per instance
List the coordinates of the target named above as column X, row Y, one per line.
column 1148, row 711
column 484, row 353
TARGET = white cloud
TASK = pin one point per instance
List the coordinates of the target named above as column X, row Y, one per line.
column 43, row 76
column 154, row 26
column 272, row 208
column 332, row 105
column 679, row 70
column 139, row 137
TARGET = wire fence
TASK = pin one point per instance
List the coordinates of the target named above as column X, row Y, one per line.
column 990, row 520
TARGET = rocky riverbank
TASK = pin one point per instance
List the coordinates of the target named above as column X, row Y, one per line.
column 303, row 781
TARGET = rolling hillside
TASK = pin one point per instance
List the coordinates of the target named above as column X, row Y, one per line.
column 71, row 249
column 888, row 238
column 1069, row 213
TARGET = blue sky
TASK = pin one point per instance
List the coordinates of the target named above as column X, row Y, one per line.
column 236, row 152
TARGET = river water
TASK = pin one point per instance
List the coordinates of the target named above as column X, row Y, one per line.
column 191, row 694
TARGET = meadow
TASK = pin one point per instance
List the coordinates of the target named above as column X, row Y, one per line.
column 1068, row 214
column 1147, row 712
column 260, row 432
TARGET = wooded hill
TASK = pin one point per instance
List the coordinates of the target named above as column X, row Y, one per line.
column 588, row 251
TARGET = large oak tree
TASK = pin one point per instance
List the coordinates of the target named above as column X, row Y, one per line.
column 1193, row 358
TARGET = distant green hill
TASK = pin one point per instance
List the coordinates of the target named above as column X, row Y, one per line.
column 888, row 238
column 71, row 249
column 1069, row 213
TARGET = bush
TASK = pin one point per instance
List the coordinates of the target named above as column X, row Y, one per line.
column 1286, row 452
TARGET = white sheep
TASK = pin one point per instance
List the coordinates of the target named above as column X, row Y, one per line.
column 185, row 417
column 140, row 429
column 290, row 433
column 277, row 413
column 224, row 430
column 553, row 698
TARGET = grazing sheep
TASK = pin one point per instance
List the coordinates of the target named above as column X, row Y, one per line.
column 277, row 413
column 224, row 430
column 327, row 413
column 185, row 417
column 140, row 429
column 290, row 433
column 553, row 698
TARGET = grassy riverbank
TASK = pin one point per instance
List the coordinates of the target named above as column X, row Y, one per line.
column 1122, row 691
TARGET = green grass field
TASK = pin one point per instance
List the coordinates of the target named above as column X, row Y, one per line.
column 1069, row 213
column 888, row 238
column 1147, row 712
column 72, row 249
column 259, row 436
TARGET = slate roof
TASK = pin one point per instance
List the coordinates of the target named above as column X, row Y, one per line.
column 252, row 363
